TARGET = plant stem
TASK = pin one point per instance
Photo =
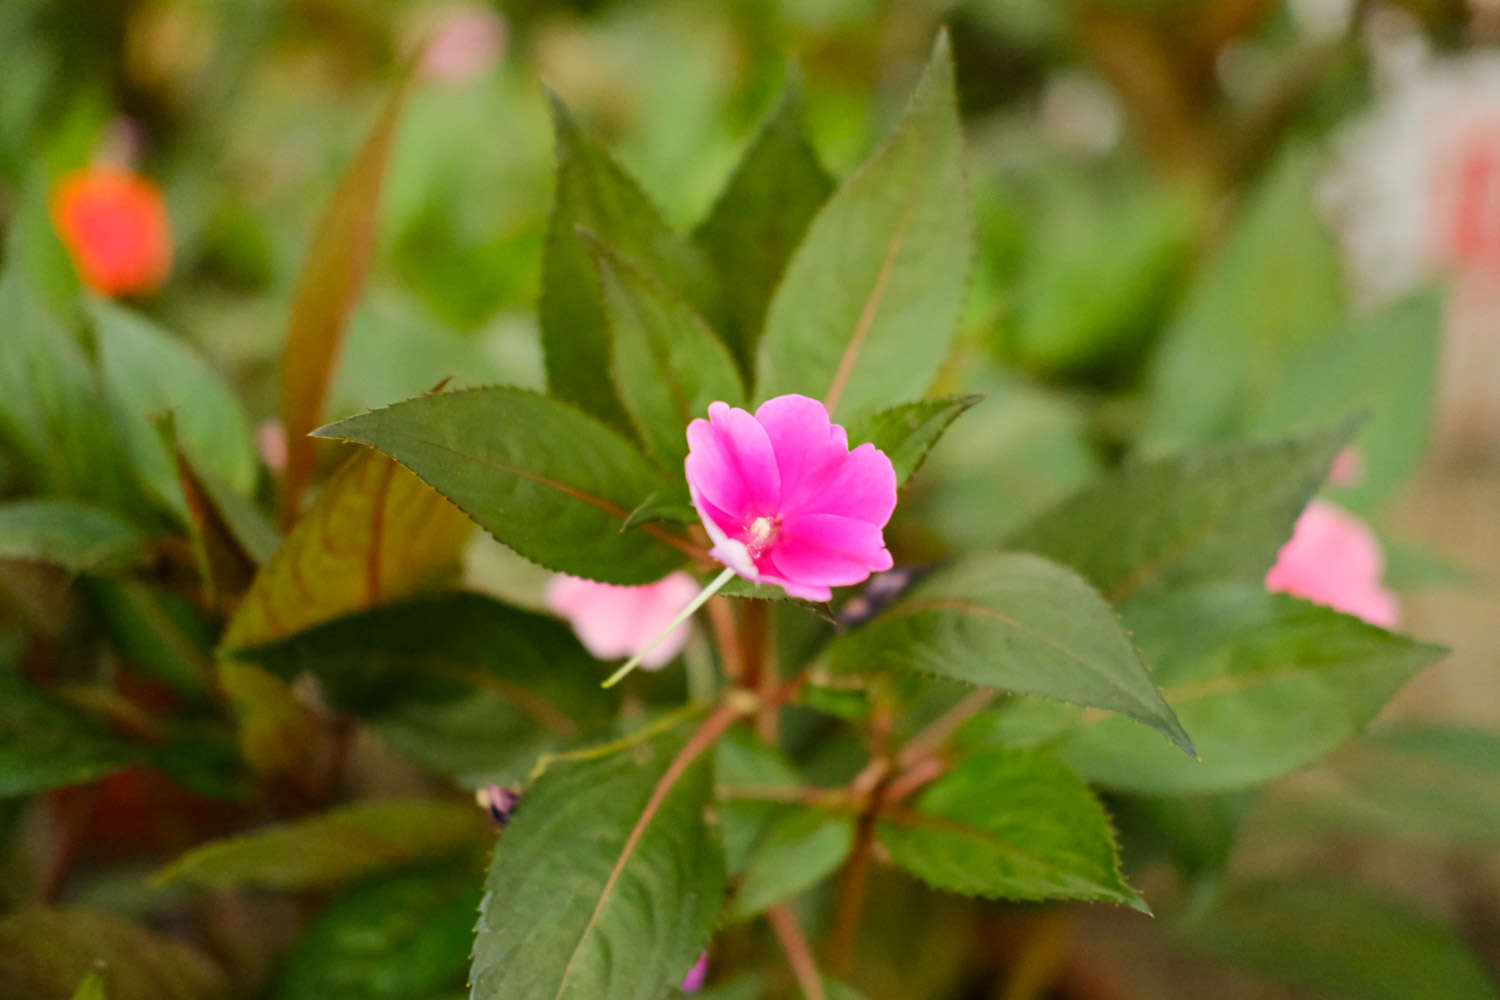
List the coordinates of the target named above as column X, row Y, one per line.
column 851, row 897
column 798, row 954
column 721, row 617
column 937, row 732
column 713, row 588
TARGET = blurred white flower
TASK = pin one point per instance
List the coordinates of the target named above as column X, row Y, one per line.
column 1081, row 114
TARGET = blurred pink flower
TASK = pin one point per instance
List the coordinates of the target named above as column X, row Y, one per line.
column 785, row 500
column 114, row 225
column 1333, row 559
column 693, row 981
column 613, row 621
column 463, row 40
column 1348, row 467
column 270, row 442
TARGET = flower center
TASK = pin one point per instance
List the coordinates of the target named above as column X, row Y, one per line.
column 763, row 531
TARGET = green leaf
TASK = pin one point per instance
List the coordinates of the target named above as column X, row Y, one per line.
column 672, row 502
column 569, row 855
column 595, row 194
column 45, row 952
column 1274, row 286
column 328, row 286
column 544, row 479
column 333, row 848
column 46, row 745
column 92, row 987
column 150, row 374
column 51, row 411
column 1387, row 785
column 667, row 364
column 801, row 848
column 1264, row 682
column 1009, row 825
column 870, row 299
column 906, row 433
column 406, row 936
column 157, row 632
column 443, row 648
column 1213, row 515
column 1017, row 623
column 1385, row 366
column 79, row 538
column 1340, row 941
column 759, row 219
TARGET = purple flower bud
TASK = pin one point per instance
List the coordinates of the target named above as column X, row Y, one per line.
column 499, row 802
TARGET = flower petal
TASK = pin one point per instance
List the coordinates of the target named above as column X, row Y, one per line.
column 809, row 447
column 731, row 464
column 829, row 550
column 862, row 486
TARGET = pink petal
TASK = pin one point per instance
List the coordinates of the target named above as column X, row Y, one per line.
column 1334, row 559
column 730, row 462
column 809, row 447
column 614, row 622
column 829, row 550
column 862, row 486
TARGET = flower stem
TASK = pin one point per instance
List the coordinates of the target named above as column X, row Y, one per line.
column 798, row 953
column 713, row 588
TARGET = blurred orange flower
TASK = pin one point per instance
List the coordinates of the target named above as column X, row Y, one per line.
column 114, row 224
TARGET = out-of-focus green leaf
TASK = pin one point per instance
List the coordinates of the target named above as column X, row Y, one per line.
column 1264, row 682
column 543, row 478
column 906, row 433
column 331, row 279
column 667, row 364
column 441, row 648
column 1011, row 825
column 46, row 952
column 149, row 375
column 51, row 411
column 477, row 740
column 406, row 936
column 1273, row 287
column 569, row 854
column 92, row 987
column 595, row 194
column 333, row 848
column 1426, row 783
column 1340, row 941
column 46, row 745
column 800, row 849
column 1386, row 367
column 1214, row 515
column 870, row 299
column 759, row 219
column 1018, row 623
column 158, row 632
column 1197, row 833
column 79, row 538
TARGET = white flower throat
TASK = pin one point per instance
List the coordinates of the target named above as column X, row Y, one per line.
column 763, row 531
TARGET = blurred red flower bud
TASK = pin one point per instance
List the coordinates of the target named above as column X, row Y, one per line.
column 114, row 225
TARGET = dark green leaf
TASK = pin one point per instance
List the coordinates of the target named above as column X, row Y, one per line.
column 46, row 952
column 1018, row 623
column 443, row 648
column 46, row 745
column 403, row 937
column 1009, row 825
column 546, row 480
column 623, row 917
column 150, row 374
column 870, row 299
column 1274, row 286
column 759, row 219
column 801, row 848
column 667, row 364
column 334, row 847
column 1340, row 941
column 1215, row 515
column 906, row 433
column 593, row 193
column 1264, row 682
column 79, row 538
column 157, row 631
column 672, row 502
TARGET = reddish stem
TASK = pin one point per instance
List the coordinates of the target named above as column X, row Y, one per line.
column 798, row 953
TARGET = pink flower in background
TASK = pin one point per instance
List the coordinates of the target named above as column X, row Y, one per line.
column 270, row 442
column 614, row 621
column 693, row 981
column 463, row 40
column 785, row 500
column 1348, row 467
column 1333, row 559
column 114, row 225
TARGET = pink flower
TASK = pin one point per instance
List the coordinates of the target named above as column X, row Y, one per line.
column 693, row 981
column 1333, row 559
column 785, row 500
column 1348, row 467
column 463, row 41
column 614, row 621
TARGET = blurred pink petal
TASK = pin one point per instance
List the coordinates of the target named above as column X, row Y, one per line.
column 614, row 622
column 1333, row 559
column 1348, row 468
column 463, row 40
column 693, row 981
column 785, row 500
column 270, row 441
